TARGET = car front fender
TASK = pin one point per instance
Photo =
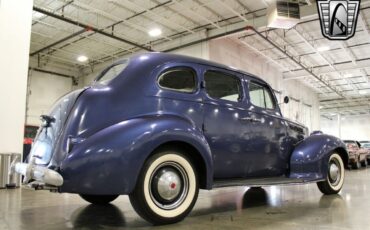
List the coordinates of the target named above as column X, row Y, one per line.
column 309, row 160
column 110, row 161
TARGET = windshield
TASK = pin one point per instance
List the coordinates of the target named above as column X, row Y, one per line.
column 350, row 144
column 366, row 145
column 112, row 72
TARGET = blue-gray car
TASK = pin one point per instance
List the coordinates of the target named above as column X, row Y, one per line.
column 159, row 127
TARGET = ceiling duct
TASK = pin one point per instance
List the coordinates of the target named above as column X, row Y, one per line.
column 283, row 14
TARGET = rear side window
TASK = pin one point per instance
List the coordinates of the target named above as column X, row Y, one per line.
column 261, row 96
column 223, row 86
column 181, row 80
column 111, row 73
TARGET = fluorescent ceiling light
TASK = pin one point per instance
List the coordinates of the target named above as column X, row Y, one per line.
column 38, row 14
column 82, row 58
column 321, row 107
column 323, row 48
column 362, row 92
column 155, row 32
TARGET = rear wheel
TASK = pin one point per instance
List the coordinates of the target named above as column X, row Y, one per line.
column 335, row 177
column 167, row 188
column 99, row 199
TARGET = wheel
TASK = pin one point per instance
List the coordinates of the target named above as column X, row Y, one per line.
column 98, row 199
column 167, row 188
column 364, row 163
column 357, row 164
column 335, row 178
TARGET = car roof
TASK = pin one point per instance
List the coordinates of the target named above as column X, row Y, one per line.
column 157, row 58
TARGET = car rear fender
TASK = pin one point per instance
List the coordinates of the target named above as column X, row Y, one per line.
column 310, row 157
column 110, row 161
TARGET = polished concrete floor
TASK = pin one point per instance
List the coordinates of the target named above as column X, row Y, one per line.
column 284, row 207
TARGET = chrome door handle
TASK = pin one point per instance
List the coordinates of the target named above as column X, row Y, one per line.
column 250, row 119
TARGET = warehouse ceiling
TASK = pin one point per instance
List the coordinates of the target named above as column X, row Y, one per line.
column 72, row 37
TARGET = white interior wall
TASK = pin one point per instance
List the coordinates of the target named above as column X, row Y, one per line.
column 228, row 52
column 348, row 127
column 43, row 90
column 15, row 27
column 200, row 50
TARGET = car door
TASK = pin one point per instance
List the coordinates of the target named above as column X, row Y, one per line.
column 266, row 142
column 224, row 100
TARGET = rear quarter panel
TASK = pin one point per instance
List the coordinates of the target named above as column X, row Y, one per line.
column 119, row 151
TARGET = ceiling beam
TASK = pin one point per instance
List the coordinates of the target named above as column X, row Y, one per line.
column 319, row 78
column 58, row 42
column 326, row 69
column 88, row 27
column 57, row 9
column 229, row 8
column 154, row 16
column 88, row 8
column 207, row 34
column 348, row 51
column 343, row 100
column 88, row 36
column 52, row 72
column 195, row 14
column 346, row 108
column 362, row 22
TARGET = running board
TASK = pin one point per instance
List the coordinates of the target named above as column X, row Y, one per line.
column 260, row 182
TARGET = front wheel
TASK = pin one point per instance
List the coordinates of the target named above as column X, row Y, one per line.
column 357, row 164
column 98, row 199
column 167, row 188
column 335, row 177
column 364, row 163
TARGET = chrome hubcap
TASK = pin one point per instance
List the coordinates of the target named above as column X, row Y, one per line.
column 333, row 172
column 168, row 185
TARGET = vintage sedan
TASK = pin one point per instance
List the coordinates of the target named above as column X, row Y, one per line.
column 366, row 145
column 159, row 127
column 357, row 154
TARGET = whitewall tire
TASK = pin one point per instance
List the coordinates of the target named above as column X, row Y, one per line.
column 167, row 188
column 335, row 176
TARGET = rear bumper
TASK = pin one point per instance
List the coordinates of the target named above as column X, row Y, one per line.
column 38, row 177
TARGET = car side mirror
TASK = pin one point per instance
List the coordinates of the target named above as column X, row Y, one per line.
column 286, row 99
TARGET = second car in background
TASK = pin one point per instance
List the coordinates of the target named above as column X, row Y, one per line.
column 357, row 154
column 366, row 145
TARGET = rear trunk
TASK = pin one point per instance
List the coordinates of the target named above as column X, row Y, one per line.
column 47, row 137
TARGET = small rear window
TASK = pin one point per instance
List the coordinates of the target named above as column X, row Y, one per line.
column 111, row 73
column 179, row 79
